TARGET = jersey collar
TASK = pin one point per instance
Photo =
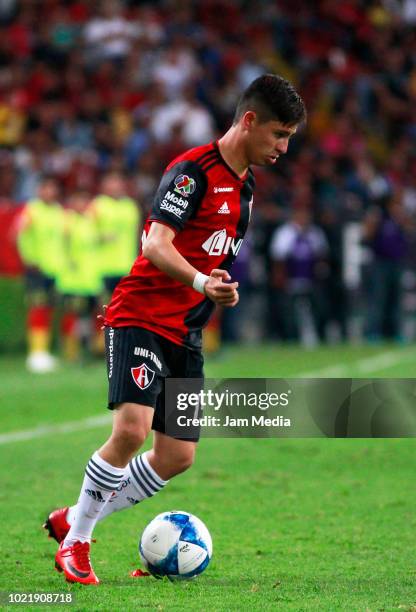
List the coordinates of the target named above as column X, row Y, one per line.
column 222, row 160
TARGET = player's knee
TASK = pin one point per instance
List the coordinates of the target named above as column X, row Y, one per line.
column 129, row 436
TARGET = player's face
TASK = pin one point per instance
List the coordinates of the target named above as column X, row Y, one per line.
column 78, row 202
column 113, row 186
column 267, row 141
column 48, row 191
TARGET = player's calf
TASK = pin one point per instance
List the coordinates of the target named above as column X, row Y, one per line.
column 169, row 456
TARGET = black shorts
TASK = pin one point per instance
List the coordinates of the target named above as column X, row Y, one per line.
column 110, row 283
column 40, row 288
column 82, row 305
column 139, row 361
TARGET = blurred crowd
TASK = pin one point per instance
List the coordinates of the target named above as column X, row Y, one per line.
column 89, row 88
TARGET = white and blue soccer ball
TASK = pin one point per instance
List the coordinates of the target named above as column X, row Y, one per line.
column 177, row 545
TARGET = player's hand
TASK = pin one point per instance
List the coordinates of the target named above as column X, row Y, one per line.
column 101, row 317
column 219, row 290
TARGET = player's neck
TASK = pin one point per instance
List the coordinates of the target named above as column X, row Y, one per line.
column 233, row 152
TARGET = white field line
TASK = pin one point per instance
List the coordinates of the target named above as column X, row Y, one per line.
column 367, row 365
column 364, row 366
column 383, row 361
column 47, row 382
column 48, row 430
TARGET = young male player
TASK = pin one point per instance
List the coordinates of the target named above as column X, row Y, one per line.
column 153, row 324
column 41, row 245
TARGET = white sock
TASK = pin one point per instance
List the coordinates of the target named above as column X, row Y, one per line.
column 139, row 482
column 71, row 514
column 100, row 480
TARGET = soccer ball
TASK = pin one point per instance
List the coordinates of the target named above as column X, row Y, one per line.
column 175, row 544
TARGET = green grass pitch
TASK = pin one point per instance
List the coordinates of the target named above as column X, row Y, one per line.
column 297, row 524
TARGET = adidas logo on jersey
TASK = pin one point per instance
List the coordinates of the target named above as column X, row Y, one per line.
column 224, row 210
column 220, row 244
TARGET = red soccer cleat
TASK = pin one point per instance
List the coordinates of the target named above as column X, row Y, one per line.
column 57, row 525
column 75, row 562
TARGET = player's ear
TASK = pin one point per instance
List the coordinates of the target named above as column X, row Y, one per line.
column 249, row 119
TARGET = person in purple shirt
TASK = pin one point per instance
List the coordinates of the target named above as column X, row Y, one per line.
column 384, row 232
column 297, row 250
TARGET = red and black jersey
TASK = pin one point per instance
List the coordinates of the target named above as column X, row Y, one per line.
column 209, row 207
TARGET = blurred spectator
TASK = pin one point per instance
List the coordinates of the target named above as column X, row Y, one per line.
column 232, row 319
column 63, row 32
column 297, row 250
column 138, row 143
column 8, row 10
column 384, row 232
column 12, row 122
column 335, row 294
column 176, row 69
column 109, row 35
column 146, row 180
column 73, row 134
column 185, row 118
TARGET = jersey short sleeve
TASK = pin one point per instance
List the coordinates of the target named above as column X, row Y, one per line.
column 179, row 195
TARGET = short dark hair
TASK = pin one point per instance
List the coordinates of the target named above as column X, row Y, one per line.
column 272, row 98
column 48, row 178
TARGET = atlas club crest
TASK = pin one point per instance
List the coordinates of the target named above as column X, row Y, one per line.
column 143, row 376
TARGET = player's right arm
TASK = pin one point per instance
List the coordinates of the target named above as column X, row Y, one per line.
column 158, row 248
column 172, row 207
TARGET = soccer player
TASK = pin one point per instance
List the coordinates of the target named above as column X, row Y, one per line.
column 40, row 242
column 79, row 279
column 153, row 324
column 117, row 217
